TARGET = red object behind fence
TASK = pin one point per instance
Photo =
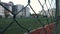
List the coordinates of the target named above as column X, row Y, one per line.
column 48, row 29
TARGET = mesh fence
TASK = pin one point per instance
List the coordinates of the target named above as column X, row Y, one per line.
column 22, row 25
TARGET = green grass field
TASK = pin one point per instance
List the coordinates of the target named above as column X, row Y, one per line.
column 25, row 22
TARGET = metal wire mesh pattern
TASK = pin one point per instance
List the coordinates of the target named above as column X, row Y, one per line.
column 48, row 15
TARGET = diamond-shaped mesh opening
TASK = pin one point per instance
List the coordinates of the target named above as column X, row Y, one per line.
column 15, row 29
column 19, row 23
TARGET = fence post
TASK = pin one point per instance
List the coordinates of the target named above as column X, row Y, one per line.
column 57, row 15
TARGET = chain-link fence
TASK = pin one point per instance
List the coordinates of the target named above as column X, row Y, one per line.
column 25, row 25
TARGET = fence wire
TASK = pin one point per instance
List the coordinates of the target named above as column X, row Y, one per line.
column 48, row 14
